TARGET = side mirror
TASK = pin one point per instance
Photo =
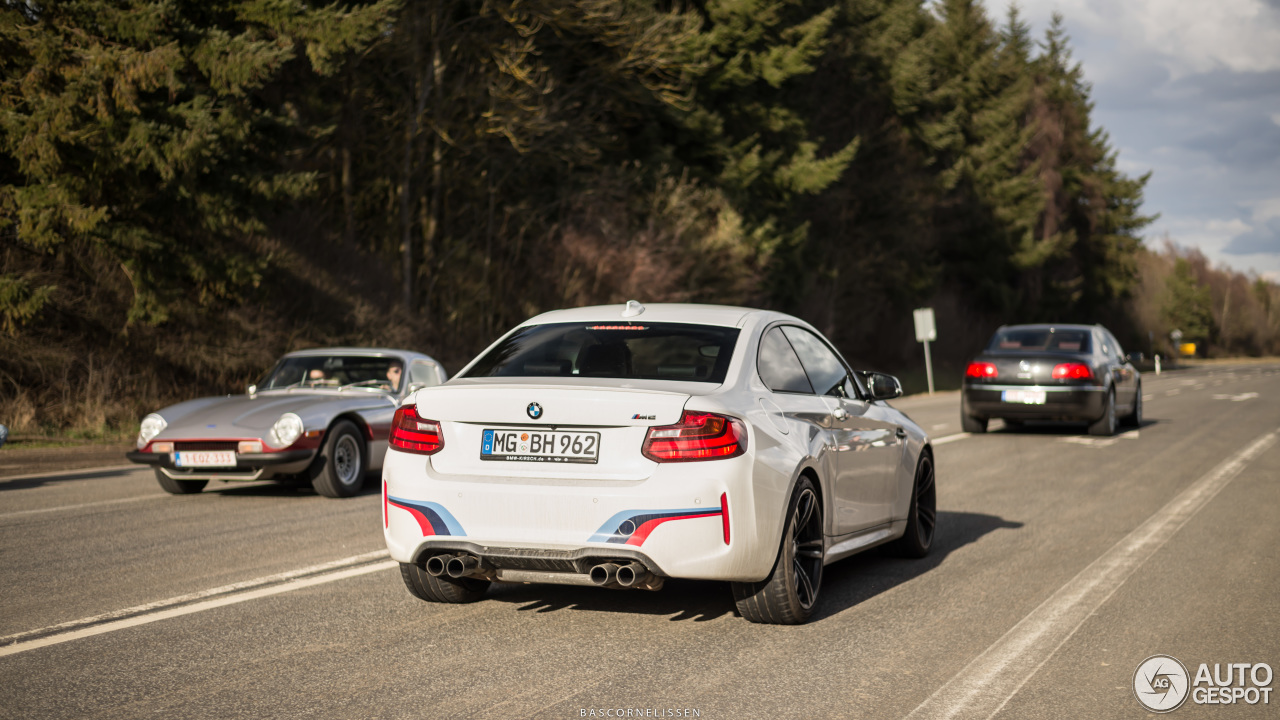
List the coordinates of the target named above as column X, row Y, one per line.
column 882, row 386
column 253, row 389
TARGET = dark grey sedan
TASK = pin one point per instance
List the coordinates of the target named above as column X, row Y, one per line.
column 1052, row 372
column 318, row 416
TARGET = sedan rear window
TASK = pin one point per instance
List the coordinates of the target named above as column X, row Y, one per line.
column 1040, row 339
column 638, row 351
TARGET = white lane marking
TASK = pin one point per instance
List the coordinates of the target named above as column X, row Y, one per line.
column 99, row 503
column 1147, row 397
column 198, row 607
column 1103, row 442
column 939, row 426
column 1173, row 392
column 990, row 680
column 8, row 642
column 77, row 471
column 950, row 438
column 1237, row 398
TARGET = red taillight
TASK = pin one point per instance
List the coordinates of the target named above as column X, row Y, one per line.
column 698, row 436
column 414, row 434
column 1071, row 371
column 981, row 370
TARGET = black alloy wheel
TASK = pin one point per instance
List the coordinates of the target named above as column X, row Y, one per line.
column 789, row 594
column 922, row 516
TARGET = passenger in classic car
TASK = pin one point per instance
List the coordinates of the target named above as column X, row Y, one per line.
column 393, row 374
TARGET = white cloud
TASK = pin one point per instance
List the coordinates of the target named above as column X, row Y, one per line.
column 1188, row 36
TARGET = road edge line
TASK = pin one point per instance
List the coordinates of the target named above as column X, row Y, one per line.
column 8, row 641
column 974, row 691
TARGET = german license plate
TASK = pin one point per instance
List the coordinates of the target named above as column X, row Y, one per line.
column 205, row 458
column 1025, row 397
column 540, row 446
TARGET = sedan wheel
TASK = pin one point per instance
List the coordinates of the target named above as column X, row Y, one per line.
column 339, row 470
column 1134, row 419
column 1106, row 425
column 788, row 595
column 922, row 516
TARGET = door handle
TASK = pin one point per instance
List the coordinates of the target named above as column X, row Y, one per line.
column 901, row 433
column 839, row 413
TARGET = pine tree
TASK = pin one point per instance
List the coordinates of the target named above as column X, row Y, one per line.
column 147, row 139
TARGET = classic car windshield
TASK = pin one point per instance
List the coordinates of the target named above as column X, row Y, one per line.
column 335, row 371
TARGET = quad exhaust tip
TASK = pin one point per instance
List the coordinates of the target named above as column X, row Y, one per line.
column 632, row 574
column 604, row 574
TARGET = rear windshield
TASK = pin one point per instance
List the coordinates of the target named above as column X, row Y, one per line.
column 1033, row 339
column 640, row 351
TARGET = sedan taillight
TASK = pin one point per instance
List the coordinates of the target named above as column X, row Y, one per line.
column 414, row 434
column 981, row 370
column 698, row 436
column 1071, row 371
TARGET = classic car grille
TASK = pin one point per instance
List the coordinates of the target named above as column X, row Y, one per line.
column 210, row 445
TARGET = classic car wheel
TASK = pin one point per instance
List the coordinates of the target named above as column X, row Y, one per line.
column 788, row 595
column 179, row 487
column 922, row 516
column 339, row 471
column 441, row 589
column 1106, row 425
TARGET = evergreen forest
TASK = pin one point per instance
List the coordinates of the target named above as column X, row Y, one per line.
column 189, row 188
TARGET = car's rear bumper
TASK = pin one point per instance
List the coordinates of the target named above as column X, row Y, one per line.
column 1061, row 402
column 673, row 523
column 249, row 466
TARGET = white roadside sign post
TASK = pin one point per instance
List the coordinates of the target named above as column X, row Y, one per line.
column 926, row 331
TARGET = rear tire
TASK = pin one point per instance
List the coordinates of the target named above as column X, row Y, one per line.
column 789, row 594
column 1134, row 418
column 179, row 487
column 338, row 471
column 441, row 589
column 1105, row 426
column 922, row 516
column 970, row 423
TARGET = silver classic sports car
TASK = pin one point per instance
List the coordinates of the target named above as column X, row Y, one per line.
column 320, row 416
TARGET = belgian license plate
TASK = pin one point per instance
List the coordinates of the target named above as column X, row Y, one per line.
column 205, row 458
column 540, row 446
column 1025, row 397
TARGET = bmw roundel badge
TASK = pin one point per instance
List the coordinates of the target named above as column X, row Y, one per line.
column 534, row 410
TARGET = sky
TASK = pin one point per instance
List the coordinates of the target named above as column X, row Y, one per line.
column 1190, row 91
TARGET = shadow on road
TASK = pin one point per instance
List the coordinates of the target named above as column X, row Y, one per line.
column 857, row 579
column 845, row 584
column 25, row 483
column 1054, row 427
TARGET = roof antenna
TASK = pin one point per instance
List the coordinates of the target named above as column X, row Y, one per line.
column 632, row 309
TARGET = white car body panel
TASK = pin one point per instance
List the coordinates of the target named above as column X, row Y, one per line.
column 864, row 464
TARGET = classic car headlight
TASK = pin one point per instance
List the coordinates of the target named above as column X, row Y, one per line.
column 286, row 430
column 151, row 427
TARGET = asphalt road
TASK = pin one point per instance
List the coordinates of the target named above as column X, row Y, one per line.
column 1062, row 562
